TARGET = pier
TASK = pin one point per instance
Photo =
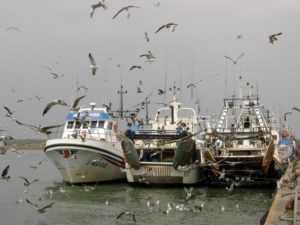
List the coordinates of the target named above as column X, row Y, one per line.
column 285, row 209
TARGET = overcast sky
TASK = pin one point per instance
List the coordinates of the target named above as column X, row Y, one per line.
column 60, row 34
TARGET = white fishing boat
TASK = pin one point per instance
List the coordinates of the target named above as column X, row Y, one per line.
column 165, row 153
column 89, row 149
column 241, row 147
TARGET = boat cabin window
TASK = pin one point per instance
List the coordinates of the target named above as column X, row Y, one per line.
column 77, row 125
column 70, row 124
column 109, row 126
column 93, row 124
column 101, row 124
column 85, row 124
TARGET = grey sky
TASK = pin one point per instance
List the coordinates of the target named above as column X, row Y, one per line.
column 60, row 34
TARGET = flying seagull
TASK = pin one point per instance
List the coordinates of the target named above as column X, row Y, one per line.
column 147, row 37
column 76, row 102
column 9, row 112
column 193, row 84
column 55, row 75
column 42, row 209
column 235, row 61
column 85, row 88
column 136, row 67
column 126, row 8
column 149, row 56
column 40, row 128
column 273, row 37
column 27, row 183
column 160, row 91
column 4, row 173
column 93, row 65
column 13, row 28
column 97, row 5
column 188, row 193
column 127, row 213
column 167, row 26
column 52, row 103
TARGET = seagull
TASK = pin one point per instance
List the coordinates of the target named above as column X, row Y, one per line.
column 40, row 128
column 273, row 37
column 127, row 213
column 55, row 75
column 23, row 100
column 36, row 166
column 230, row 189
column 147, row 37
column 93, row 65
column 189, row 193
column 42, row 209
column 160, row 91
column 193, row 84
column 167, row 26
column 136, row 67
column 108, row 107
column 85, row 88
column 157, row 4
column 149, row 56
column 97, row 5
column 27, row 183
column 126, row 8
column 239, row 36
column 4, row 173
column 13, row 28
column 235, row 61
column 9, row 112
column 52, row 103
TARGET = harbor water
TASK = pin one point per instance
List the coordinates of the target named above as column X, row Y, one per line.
column 102, row 203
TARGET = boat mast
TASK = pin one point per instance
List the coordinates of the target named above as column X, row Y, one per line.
column 121, row 92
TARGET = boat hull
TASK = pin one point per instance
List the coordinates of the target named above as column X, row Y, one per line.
column 162, row 173
column 88, row 161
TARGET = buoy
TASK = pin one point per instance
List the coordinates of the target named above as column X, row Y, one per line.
column 183, row 153
column 130, row 153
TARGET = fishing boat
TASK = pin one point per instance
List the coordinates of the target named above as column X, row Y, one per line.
column 166, row 153
column 89, row 149
column 240, row 148
column 284, row 141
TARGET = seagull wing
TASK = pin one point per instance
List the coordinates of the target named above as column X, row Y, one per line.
column 295, row 108
column 160, row 28
column 278, row 34
column 240, row 56
column 45, row 207
column 92, row 60
column 8, row 110
column 48, row 107
column 124, row 8
column 5, row 171
column 25, row 179
column 29, row 202
column 77, row 101
column 121, row 214
column 51, row 127
column 227, row 57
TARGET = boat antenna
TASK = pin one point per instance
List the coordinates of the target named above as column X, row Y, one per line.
column 180, row 79
column 226, row 73
column 121, row 92
column 166, row 76
column 146, row 108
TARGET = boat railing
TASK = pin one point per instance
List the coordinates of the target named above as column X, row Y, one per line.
column 241, row 130
column 87, row 134
column 153, row 134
